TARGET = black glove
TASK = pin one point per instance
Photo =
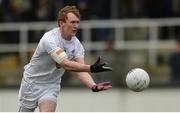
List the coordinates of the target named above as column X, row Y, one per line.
column 101, row 86
column 99, row 66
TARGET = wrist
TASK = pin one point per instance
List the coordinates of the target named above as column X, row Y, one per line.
column 92, row 69
column 95, row 88
column 92, row 85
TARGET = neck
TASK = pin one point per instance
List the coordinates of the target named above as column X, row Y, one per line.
column 64, row 36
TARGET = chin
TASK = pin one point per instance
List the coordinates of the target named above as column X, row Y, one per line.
column 73, row 35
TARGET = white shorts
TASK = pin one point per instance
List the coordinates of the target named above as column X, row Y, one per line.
column 32, row 94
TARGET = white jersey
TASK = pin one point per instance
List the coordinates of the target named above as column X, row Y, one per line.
column 42, row 68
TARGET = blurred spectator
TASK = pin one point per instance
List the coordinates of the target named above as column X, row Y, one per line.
column 137, row 8
column 174, row 63
column 14, row 11
column 133, row 8
column 18, row 10
column 44, row 11
column 83, row 8
column 100, row 9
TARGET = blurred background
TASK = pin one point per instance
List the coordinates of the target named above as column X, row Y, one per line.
column 127, row 33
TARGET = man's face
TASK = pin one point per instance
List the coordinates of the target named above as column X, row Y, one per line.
column 70, row 26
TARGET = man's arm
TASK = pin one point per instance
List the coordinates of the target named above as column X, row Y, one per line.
column 86, row 78
column 82, row 69
column 61, row 58
column 75, row 66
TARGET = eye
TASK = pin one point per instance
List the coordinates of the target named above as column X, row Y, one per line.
column 75, row 22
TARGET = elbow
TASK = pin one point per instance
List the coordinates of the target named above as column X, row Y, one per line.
column 66, row 65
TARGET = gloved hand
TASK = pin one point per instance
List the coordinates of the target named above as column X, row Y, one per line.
column 99, row 66
column 101, row 86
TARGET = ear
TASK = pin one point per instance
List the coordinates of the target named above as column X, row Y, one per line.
column 60, row 23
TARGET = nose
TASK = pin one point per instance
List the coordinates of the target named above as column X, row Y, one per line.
column 76, row 25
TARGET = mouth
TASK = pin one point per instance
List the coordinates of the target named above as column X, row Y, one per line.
column 75, row 31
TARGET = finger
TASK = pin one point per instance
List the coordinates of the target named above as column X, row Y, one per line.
column 105, row 83
column 105, row 67
column 99, row 87
column 107, row 87
column 98, row 60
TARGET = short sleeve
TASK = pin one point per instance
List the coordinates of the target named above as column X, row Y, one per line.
column 49, row 43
